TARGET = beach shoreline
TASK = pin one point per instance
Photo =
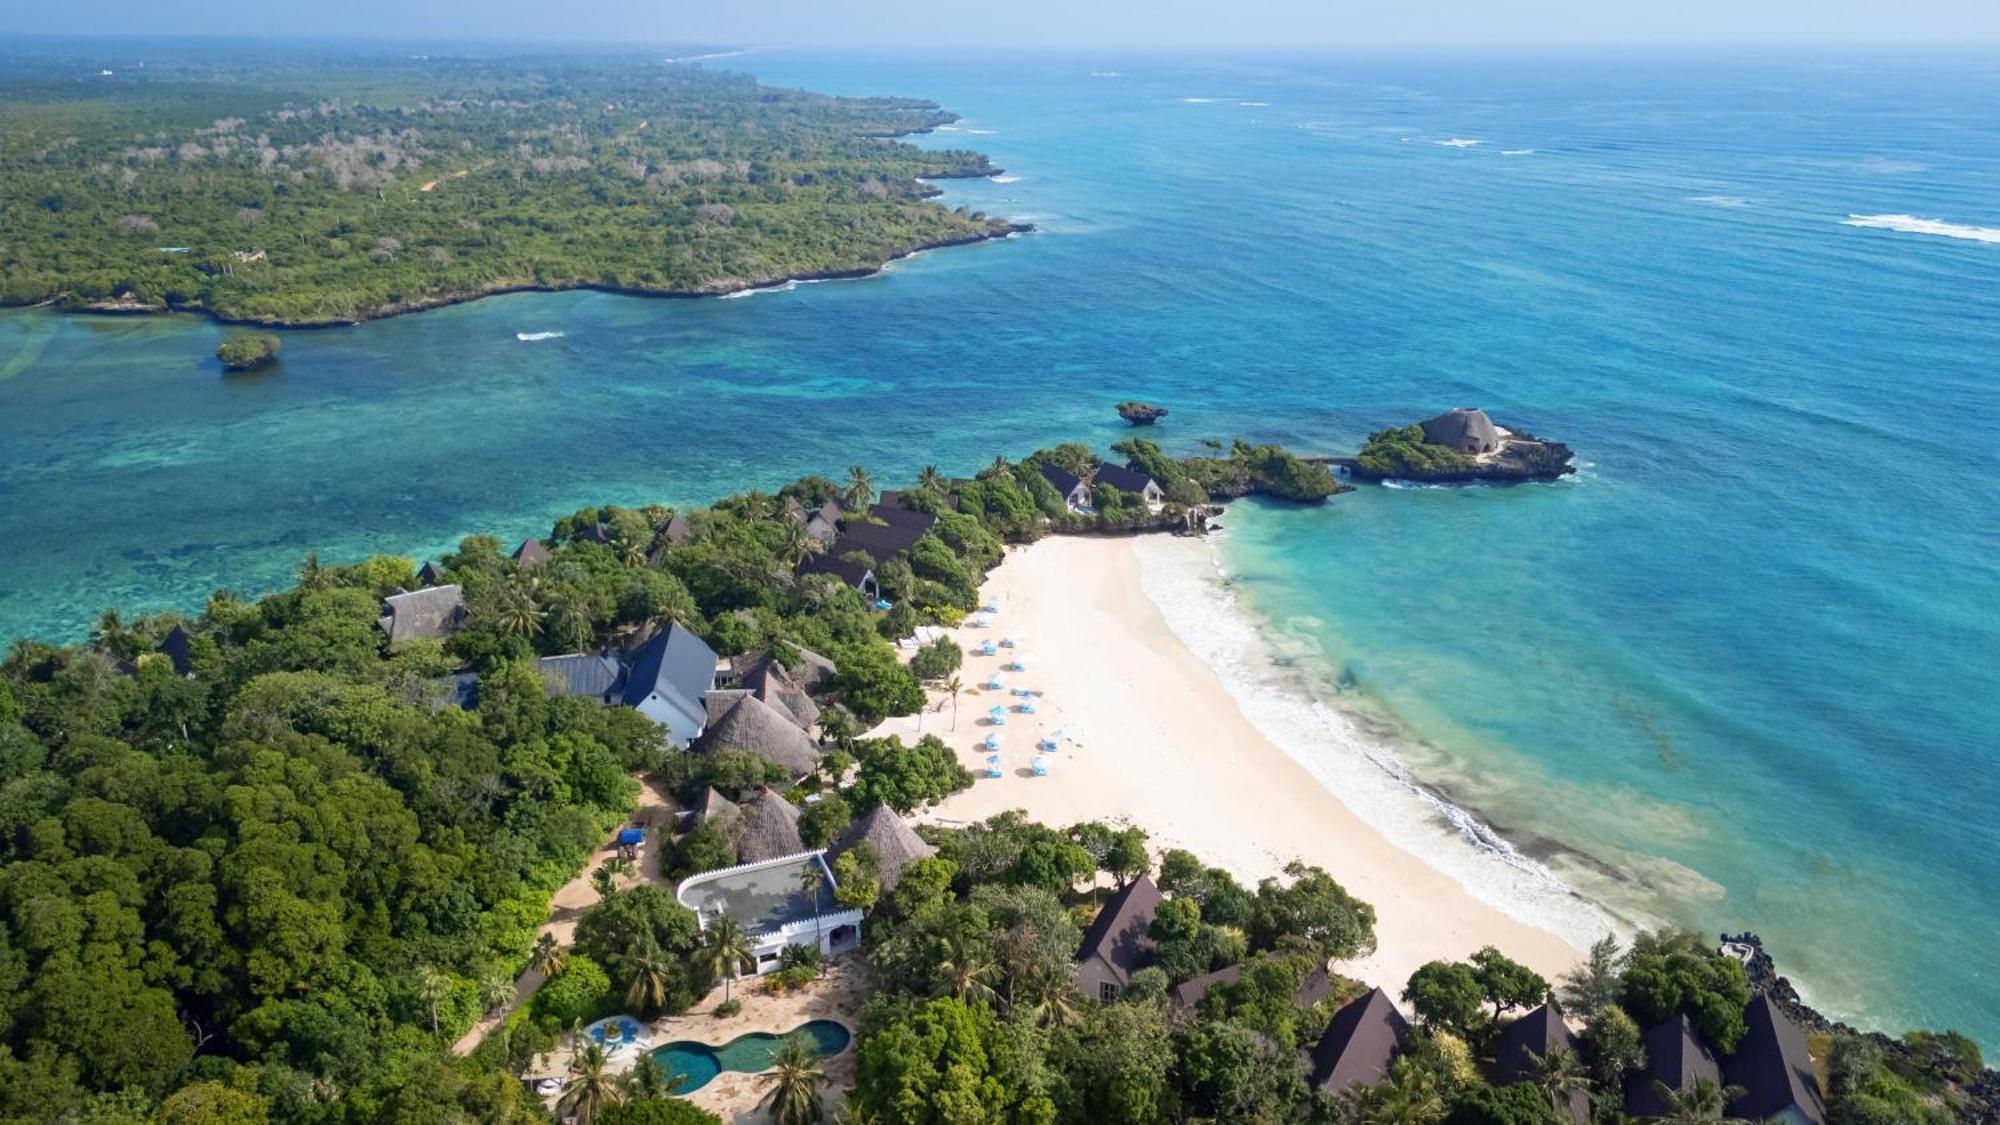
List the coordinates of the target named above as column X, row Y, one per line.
column 1100, row 626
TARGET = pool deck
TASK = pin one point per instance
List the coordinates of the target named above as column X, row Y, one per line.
column 734, row 1095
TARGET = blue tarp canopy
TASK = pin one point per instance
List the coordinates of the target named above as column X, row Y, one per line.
column 632, row 836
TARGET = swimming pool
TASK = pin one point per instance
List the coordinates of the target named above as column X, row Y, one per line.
column 699, row 1063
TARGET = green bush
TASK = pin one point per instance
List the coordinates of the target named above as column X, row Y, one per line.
column 581, row 992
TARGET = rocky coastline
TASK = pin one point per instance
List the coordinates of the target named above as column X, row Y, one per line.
column 1982, row 1097
column 1524, row 458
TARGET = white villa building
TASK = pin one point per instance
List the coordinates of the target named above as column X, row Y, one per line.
column 768, row 899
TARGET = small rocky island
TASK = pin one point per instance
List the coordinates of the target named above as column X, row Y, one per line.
column 1460, row 445
column 1141, row 413
column 247, row 351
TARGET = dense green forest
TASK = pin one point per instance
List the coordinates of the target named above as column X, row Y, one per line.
column 295, row 871
column 281, row 189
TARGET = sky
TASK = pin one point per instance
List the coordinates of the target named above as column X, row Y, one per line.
column 1041, row 23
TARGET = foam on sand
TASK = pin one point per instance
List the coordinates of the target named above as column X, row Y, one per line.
column 531, row 337
column 1351, row 753
column 1911, row 224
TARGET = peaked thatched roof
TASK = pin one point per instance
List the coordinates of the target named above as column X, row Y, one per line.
column 531, row 552
column 1534, row 1036
column 1360, row 1042
column 751, row 724
column 1772, row 1067
column 893, row 842
column 678, row 530
column 1317, row 986
column 1119, row 934
column 770, row 829
column 429, row 574
column 716, row 807
column 769, row 682
column 1675, row 1055
column 176, row 648
column 437, row 611
column 1466, row 429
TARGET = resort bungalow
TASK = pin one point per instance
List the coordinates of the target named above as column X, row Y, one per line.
column 1131, row 481
column 850, row 572
column 770, row 829
column 1675, row 1057
column 892, row 843
column 738, row 720
column 592, row 675
column 678, row 531
column 1465, row 430
column 1118, row 941
column 773, row 904
column 1773, row 1070
column 1534, row 1036
column 1188, row 995
column 1074, row 490
column 435, row 612
column 178, row 648
column 667, row 680
column 531, row 553
column 429, row 575
column 1359, row 1044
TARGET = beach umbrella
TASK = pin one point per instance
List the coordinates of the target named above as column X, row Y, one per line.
column 1041, row 766
column 1026, row 708
column 1046, row 744
column 993, row 766
column 992, row 742
column 996, row 682
column 1006, row 642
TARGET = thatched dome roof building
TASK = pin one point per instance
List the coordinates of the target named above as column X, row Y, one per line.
column 893, row 842
column 1465, row 430
column 770, row 829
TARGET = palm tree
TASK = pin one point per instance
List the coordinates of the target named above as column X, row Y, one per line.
column 953, row 687
column 649, row 1082
column 312, row 575
column 725, row 947
column 1700, row 1104
column 631, row 552
column 812, row 881
column 549, row 957
column 794, row 1081
column 604, row 880
column 966, row 970
column 1056, row 1000
column 1559, row 1075
column 999, row 468
column 434, row 988
column 860, row 488
column 519, row 614
column 798, row 546
column 932, row 481
column 495, row 992
column 112, row 638
column 570, row 622
column 652, row 978
column 1408, row 1096
column 591, row 1087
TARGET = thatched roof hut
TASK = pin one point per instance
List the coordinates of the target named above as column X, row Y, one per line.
column 178, row 647
column 894, row 844
column 1360, row 1042
column 1675, row 1057
column 1773, row 1069
column 1119, row 938
column 1465, row 430
column 437, row 611
column 1534, row 1036
column 770, row 829
column 769, row 681
column 717, row 808
column 748, row 723
column 531, row 552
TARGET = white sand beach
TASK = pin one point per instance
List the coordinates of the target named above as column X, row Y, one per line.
column 1165, row 746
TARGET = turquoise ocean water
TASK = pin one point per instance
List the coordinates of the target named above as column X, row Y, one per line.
column 1743, row 672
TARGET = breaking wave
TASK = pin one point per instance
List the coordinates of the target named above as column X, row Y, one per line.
column 1911, row 224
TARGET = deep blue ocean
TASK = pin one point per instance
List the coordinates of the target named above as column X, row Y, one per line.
column 1742, row 672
